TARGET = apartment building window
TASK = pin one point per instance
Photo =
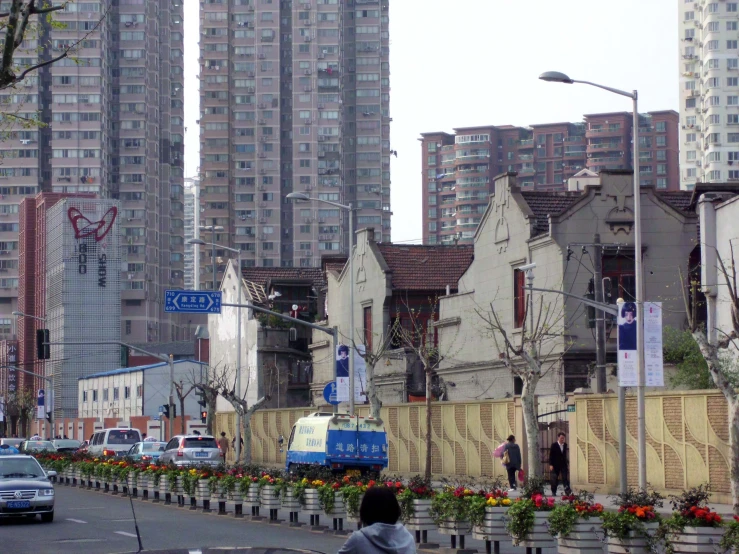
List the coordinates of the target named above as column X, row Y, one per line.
column 661, row 126
column 620, row 269
column 689, row 16
column 713, row 7
column 734, row 175
column 732, row 137
column 732, row 63
column 661, row 169
column 661, row 155
column 691, row 172
column 714, row 175
column 689, row 85
column 731, row 7
column 732, row 119
column 712, row 45
column 519, row 298
column 731, row 44
column 711, row 28
column 84, row 396
column 661, row 141
column 94, row 396
column 690, row 103
column 734, row 156
column 731, row 25
column 432, row 213
column 714, row 82
column 662, row 183
column 128, row 326
column 105, row 395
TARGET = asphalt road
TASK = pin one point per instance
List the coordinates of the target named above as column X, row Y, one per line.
column 88, row 521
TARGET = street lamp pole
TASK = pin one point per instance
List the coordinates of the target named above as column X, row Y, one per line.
column 299, row 196
column 237, row 251
column 557, row 77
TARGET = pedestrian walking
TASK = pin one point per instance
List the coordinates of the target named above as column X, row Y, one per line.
column 223, row 446
column 559, row 464
column 381, row 533
column 511, row 457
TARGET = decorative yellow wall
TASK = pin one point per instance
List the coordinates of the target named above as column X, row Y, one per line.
column 464, row 435
column 687, row 442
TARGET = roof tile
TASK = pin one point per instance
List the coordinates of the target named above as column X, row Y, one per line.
column 417, row 267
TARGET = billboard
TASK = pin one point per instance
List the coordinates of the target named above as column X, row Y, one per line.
column 342, row 374
column 628, row 359
column 83, row 293
column 11, row 358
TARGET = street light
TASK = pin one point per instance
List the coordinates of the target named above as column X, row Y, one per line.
column 21, row 314
column 557, row 77
column 237, row 439
column 213, row 229
column 301, row 197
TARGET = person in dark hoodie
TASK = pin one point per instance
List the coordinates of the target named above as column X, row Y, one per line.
column 381, row 533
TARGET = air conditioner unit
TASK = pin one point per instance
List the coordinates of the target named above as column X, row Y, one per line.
column 307, row 72
column 321, row 56
column 262, row 220
column 262, row 122
column 321, row 106
column 307, row 39
column 25, row 141
column 307, row 121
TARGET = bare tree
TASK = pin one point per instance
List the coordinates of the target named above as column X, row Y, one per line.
column 720, row 360
column 182, row 391
column 538, row 351
column 22, row 404
column 20, row 20
column 225, row 382
column 376, row 345
column 420, row 337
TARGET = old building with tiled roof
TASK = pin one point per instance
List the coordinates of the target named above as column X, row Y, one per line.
column 392, row 281
column 556, row 231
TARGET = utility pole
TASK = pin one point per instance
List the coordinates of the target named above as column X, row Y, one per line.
column 600, row 319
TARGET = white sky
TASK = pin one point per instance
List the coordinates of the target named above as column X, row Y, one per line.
column 459, row 63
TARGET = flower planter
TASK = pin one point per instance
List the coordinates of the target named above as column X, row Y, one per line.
column 701, row 540
column 338, row 514
column 165, row 490
column 270, row 500
column 312, row 507
column 202, row 493
column 421, row 522
column 292, row 504
column 585, row 538
column 353, row 518
column 636, row 543
column 133, row 483
column 455, row 529
column 236, row 499
column 252, row 500
column 539, row 536
column 492, row 529
column 114, row 488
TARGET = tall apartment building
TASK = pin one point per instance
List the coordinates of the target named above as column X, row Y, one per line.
column 294, row 98
column 458, row 169
column 709, row 91
column 112, row 125
column 192, row 221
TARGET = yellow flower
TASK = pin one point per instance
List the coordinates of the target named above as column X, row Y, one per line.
column 492, row 502
column 193, row 472
column 304, row 481
column 506, row 502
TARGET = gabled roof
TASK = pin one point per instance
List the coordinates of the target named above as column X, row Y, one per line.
column 416, row 267
column 265, row 276
column 544, row 204
column 122, row 370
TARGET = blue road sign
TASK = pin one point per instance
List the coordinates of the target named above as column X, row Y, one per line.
column 192, row 302
column 161, row 409
column 329, row 393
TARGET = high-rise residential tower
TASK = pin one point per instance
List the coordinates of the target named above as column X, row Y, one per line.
column 709, row 91
column 112, row 125
column 458, row 169
column 294, row 98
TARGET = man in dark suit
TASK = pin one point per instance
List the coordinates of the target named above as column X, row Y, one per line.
column 558, row 464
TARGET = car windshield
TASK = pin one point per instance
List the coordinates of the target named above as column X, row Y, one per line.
column 38, row 445
column 123, row 437
column 66, row 443
column 154, row 446
column 200, row 442
column 19, row 467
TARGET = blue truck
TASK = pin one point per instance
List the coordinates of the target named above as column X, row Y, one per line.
column 339, row 441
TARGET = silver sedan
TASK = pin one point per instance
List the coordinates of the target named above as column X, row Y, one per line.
column 25, row 489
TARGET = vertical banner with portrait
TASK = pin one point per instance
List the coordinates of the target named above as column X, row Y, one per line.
column 628, row 357
column 360, row 376
column 342, row 373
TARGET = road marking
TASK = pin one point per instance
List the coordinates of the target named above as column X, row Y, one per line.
column 85, row 508
column 126, row 534
column 75, row 520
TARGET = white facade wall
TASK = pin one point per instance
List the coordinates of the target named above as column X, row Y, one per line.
column 727, row 214
column 709, row 91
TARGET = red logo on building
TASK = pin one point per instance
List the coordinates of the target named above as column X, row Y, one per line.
column 83, row 227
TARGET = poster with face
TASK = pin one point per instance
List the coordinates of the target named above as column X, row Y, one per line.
column 342, row 374
column 627, row 354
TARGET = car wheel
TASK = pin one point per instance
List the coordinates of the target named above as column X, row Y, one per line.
column 47, row 517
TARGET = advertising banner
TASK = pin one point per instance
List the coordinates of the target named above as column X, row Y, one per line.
column 342, row 374
column 627, row 353
column 653, row 363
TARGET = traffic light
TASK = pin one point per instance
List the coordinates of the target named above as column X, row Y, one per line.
column 203, row 416
column 43, row 351
column 201, row 398
column 166, row 410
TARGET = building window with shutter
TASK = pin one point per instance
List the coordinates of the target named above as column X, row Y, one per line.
column 368, row 328
column 519, row 298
